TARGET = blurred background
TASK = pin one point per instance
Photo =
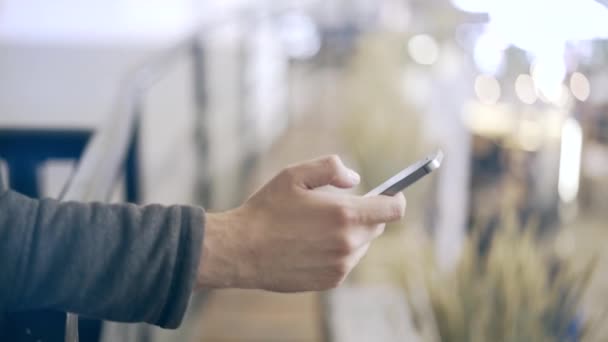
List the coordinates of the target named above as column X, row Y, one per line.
column 204, row 101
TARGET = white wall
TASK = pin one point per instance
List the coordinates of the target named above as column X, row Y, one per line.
column 62, row 64
column 105, row 21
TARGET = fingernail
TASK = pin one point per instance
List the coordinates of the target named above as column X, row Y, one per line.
column 355, row 178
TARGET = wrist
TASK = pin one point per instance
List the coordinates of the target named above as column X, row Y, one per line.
column 225, row 262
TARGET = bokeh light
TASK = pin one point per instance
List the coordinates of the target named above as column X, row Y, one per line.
column 548, row 73
column 487, row 89
column 300, row 36
column 423, row 49
column 525, row 89
column 560, row 98
column 580, row 86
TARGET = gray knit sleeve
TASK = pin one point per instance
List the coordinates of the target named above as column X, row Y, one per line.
column 117, row 262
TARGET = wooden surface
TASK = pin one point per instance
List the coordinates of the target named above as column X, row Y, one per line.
column 252, row 316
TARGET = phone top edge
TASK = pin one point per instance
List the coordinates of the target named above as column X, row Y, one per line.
column 437, row 159
column 425, row 166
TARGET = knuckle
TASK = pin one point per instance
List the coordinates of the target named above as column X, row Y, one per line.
column 345, row 216
column 333, row 162
column 396, row 211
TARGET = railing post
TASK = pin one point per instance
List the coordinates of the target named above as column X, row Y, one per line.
column 133, row 176
column 201, row 122
column 247, row 121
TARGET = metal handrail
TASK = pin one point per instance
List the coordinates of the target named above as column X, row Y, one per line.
column 96, row 173
column 104, row 156
column 108, row 150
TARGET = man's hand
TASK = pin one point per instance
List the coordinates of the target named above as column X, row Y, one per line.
column 288, row 237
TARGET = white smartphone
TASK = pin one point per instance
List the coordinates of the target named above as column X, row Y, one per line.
column 408, row 176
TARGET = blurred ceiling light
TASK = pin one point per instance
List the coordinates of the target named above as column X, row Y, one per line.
column 570, row 160
column 423, row 49
column 542, row 27
column 525, row 89
column 532, row 24
column 548, row 74
column 580, row 86
column 487, row 89
column 560, row 98
column 488, row 52
column 299, row 35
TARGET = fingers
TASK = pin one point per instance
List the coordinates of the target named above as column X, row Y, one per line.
column 379, row 209
column 353, row 244
column 367, row 234
column 323, row 171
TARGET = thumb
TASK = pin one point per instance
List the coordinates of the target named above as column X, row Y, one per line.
column 323, row 171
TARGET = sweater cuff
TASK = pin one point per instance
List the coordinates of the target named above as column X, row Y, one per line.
column 186, row 267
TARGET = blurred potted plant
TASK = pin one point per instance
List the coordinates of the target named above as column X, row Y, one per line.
column 511, row 290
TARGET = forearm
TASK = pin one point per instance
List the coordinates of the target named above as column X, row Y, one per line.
column 116, row 262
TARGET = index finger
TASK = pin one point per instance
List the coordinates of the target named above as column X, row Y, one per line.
column 380, row 209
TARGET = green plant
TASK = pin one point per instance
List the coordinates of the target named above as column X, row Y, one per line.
column 517, row 290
